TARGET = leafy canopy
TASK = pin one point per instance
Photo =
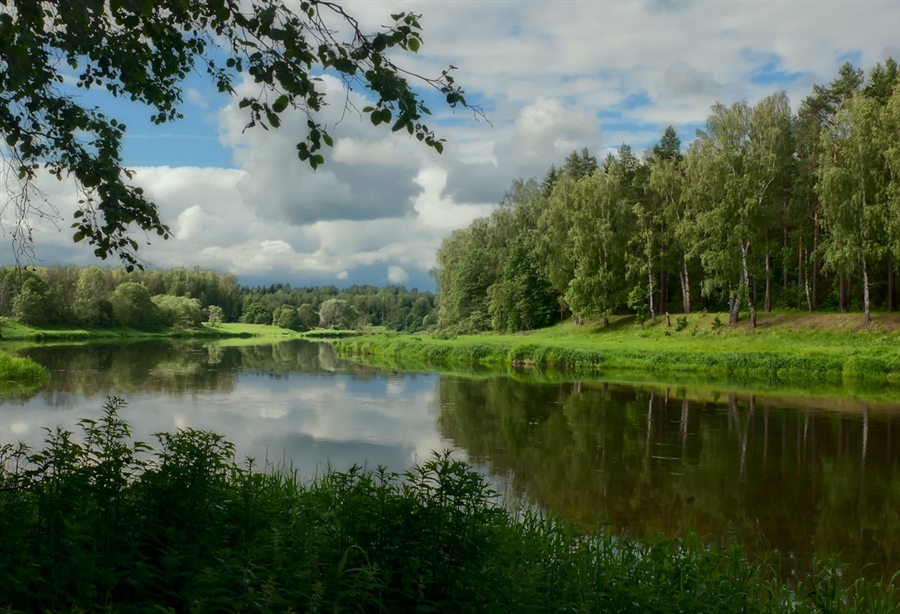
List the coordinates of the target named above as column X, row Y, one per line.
column 142, row 51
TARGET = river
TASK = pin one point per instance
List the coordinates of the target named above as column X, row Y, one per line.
column 805, row 476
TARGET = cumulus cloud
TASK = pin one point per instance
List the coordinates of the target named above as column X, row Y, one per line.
column 544, row 73
column 682, row 80
column 397, row 275
column 370, row 173
column 543, row 133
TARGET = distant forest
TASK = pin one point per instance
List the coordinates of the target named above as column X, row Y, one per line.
column 96, row 297
column 766, row 209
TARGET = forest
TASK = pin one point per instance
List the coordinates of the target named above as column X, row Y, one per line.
column 766, row 209
column 181, row 298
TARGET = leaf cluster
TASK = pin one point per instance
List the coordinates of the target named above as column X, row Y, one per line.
column 143, row 51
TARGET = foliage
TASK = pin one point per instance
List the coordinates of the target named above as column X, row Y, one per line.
column 120, row 526
column 521, row 300
column 73, row 297
column 178, row 311
column 764, row 206
column 338, row 313
column 287, row 317
column 308, row 317
column 255, row 312
column 216, row 315
column 143, row 52
column 133, row 307
column 637, row 302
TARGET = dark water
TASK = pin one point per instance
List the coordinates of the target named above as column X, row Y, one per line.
column 802, row 476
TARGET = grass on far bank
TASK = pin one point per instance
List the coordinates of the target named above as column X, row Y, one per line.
column 10, row 330
column 112, row 525
column 786, row 345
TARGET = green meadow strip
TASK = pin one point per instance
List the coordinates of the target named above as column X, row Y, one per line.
column 787, row 355
column 105, row 523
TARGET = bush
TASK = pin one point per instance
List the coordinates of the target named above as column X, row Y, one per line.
column 681, row 323
column 286, row 317
column 133, row 307
column 178, row 311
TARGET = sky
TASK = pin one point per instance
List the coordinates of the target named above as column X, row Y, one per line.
column 552, row 77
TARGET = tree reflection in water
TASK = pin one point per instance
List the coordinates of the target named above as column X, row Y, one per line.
column 802, row 480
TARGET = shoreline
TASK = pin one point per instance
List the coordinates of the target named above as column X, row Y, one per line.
column 791, row 347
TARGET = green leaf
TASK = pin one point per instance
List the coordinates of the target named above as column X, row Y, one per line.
column 281, row 104
column 413, row 45
column 376, row 118
column 328, row 140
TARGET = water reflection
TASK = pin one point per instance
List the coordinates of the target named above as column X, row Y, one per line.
column 801, row 475
column 293, row 402
column 802, row 481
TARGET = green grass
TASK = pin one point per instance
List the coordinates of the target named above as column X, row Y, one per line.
column 20, row 375
column 787, row 346
column 14, row 331
column 104, row 523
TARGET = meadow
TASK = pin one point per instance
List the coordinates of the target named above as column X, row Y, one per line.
column 787, row 346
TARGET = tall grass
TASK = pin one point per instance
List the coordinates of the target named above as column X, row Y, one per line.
column 20, row 372
column 110, row 524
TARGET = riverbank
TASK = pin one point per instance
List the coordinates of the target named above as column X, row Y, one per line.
column 14, row 331
column 185, row 527
column 789, row 346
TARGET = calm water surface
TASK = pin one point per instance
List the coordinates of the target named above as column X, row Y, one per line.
column 803, row 476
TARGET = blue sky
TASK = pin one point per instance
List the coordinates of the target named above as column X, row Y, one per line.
column 552, row 76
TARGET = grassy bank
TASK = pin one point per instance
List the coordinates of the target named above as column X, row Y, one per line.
column 788, row 346
column 110, row 525
column 14, row 331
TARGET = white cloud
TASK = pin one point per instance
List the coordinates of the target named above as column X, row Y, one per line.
column 370, row 173
column 544, row 72
column 397, row 275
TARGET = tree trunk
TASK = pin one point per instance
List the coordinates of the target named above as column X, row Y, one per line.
column 734, row 307
column 809, row 304
column 650, row 284
column 686, row 288
column 867, row 317
column 843, row 297
column 785, row 252
column 890, row 289
column 745, row 283
column 663, row 290
column 815, row 274
column 606, row 318
column 768, row 306
column 800, row 273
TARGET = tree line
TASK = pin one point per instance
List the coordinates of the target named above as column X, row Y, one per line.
column 106, row 297
column 765, row 209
